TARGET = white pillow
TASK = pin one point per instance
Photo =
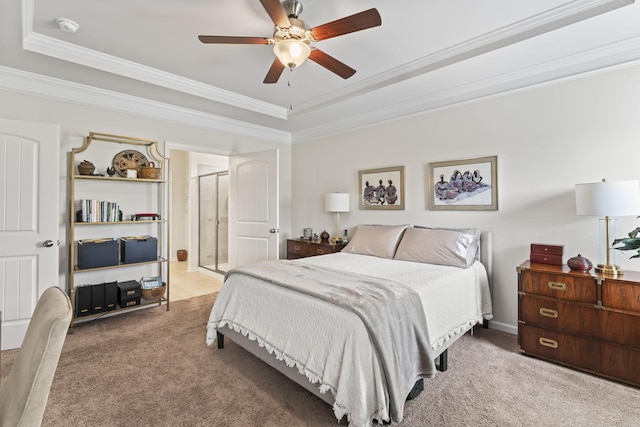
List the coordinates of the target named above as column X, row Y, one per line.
column 437, row 246
column 375, row 240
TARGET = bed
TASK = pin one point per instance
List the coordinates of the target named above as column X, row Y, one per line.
column 361, row 328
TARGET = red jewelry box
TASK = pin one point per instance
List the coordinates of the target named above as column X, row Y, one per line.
column 544, row 253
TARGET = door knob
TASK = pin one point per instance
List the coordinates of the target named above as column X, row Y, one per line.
column 49, row 243
column 274, row 230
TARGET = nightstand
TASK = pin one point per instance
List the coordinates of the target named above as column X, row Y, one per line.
column 302, row 248
column 587, row 321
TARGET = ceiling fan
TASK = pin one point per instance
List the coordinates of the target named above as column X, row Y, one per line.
column 292, row 39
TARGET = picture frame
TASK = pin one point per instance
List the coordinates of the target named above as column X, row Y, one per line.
column 382, row 188
column 469, row 184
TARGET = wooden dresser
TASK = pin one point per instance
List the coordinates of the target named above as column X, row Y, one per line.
column 586, row 321
column 301, row 248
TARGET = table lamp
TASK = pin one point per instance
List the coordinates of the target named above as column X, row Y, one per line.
column 606, row 200
column 336, row 202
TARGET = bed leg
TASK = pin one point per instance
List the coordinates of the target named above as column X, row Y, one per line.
column 416, row 390
column 485, row 323
column 220, row 339
column 442, row 361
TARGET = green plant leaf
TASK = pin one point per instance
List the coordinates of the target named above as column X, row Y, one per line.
column 627, row 244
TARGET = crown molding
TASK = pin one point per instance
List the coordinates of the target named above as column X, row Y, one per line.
column 569, row 13
column 55, row 48
column 583, row 64
column 562, row 16
column 29, row 83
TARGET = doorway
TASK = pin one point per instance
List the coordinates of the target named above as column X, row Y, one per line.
column 213, row 236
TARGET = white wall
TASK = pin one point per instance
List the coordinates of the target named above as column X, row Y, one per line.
column 179, row 202
column 547, row 139
column 76, row 121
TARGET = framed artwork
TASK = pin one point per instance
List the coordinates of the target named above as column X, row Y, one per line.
column 382, row 188
column 470, row 184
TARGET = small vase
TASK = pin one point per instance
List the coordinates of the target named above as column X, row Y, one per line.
column 324, row 236
column 579, row 263
column 182, row 254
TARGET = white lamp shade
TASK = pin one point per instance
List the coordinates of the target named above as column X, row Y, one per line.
column 292, row 52
column 336, row 202
column 619, row 198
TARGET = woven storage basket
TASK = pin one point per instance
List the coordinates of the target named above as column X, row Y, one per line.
column 154, row 294
column 150, row 172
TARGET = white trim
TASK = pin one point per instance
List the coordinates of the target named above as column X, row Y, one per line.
column 503, row 327
column 73, row 53
column 50, row 46
column 569, row 13
column 574, row 11
column 48, row 87
column 602, row 59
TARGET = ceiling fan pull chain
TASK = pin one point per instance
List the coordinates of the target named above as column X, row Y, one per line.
column 290, row 84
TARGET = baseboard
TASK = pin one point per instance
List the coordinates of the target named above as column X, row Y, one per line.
column 503, row 327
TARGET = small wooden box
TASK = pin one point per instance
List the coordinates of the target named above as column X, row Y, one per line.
column 544, row 253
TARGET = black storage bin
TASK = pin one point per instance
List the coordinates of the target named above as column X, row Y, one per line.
column 83, row 301
column 97, row 253
column 138, row 249
column 110, row 296
column 97, row 298
column 129, row 302
column 128, row 291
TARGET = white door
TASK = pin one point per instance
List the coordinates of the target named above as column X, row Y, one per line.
column 253, row 207
column 29, row 217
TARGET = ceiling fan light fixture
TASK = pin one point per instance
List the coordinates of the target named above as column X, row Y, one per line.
column 292, row 52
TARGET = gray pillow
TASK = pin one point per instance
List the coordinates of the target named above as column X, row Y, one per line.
column 438, row 246
column 375, row 240
column 473, row 231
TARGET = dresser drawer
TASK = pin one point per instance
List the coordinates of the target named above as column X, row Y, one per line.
column 318, row 249
column 600, row 357
column 581, row 320
column 621, row 295
column 297, row 249
column 562, row 286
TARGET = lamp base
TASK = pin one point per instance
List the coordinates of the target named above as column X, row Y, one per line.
column 609, row 269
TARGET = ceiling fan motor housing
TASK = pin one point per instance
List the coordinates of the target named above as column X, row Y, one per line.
column 296, row 31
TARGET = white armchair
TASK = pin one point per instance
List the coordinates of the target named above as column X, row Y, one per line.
column 24, row 394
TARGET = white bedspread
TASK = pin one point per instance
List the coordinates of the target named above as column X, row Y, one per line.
column 453, row 298
column 330, row 345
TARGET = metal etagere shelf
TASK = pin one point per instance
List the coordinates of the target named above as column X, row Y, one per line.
column 152, row 194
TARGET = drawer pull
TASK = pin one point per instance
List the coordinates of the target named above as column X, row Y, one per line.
column 548, row 342
column 320, row 251
column 557, row 286
column 547, row 312
column 296, row 248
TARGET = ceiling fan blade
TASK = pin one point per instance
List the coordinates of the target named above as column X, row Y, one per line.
column 350, row 24
column 233, row 39
column 274, row 72
column 276, row 13
column 331, row 64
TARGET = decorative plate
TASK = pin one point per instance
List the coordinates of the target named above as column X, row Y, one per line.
column 129, row 159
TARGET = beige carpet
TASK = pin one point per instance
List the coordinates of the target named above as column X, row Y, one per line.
column 152, row 368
